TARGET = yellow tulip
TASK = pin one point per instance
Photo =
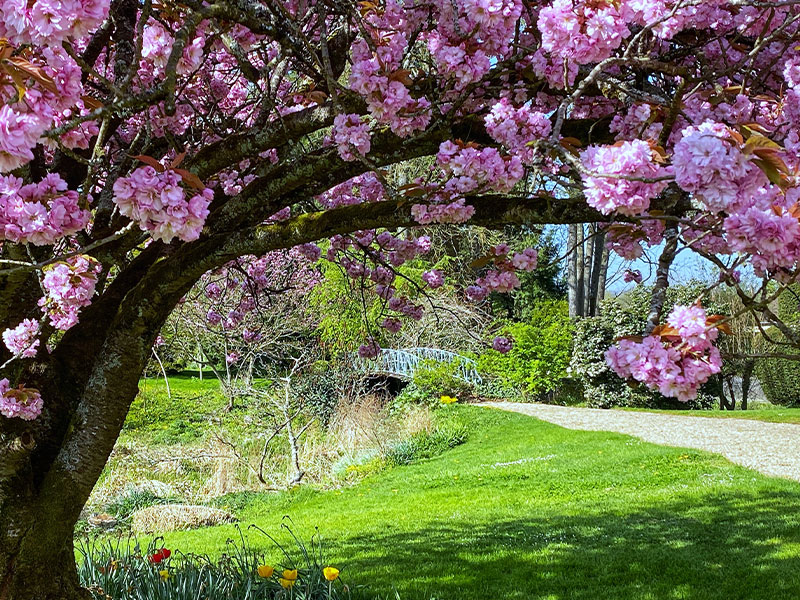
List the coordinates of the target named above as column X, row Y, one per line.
column 265, row 571
column 290, row 574
column 331, row 573
column 164, row 574
column 286, row 583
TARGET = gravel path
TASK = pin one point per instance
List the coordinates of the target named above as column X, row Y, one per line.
column 771, row 448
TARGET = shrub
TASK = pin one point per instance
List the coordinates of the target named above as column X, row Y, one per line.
column 323, row 386
column 537, row 364
column 594, row 335
column 435, row 378
column 412, row 395
column 778, row 378
column 362, row 466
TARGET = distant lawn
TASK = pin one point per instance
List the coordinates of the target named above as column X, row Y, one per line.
column 775, row 414
column 528, row 510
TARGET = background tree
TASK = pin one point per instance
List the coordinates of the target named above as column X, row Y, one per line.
column 587, row 268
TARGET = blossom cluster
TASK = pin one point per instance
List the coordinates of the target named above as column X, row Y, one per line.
column 502, row 277
column 470, row 168
column 22, row 340
column 584, row 31
column 626, row 239
column 710, row 166
column 21, row 403
column 676, row 359
column 621, row 177
column 351, row 136
column 515, row 128
column 69, row 286
column 39, row 214
column 766, row 229
column 49, row 21
column 379, row 77
column 47, row 91
column 157, row 202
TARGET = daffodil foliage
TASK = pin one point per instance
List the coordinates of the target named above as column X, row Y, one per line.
column 146, row 143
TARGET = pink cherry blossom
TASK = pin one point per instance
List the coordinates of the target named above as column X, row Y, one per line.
column 675, row 363
column 22, row 339
column 434, row 278
column 351, row 136
column 157, row 203
column 611, row 186
column 20, row 403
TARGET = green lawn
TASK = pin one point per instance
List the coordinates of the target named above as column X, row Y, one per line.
column 774, row 414
column 526, row 509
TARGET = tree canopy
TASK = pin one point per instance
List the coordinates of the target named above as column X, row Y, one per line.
column 144, row 144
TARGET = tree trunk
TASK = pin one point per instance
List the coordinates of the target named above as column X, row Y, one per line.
column 599, row 268
column 718, row 384
column 581, row 258
column 588, row 263
column 37, row 560
column 662, row 277
column 603, row 277
column 747, row 380
column 732, row 393
column 572, row 271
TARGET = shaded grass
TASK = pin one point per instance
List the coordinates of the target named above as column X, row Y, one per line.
column 525, row 509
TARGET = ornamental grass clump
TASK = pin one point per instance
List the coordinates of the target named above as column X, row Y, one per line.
column 119, row 569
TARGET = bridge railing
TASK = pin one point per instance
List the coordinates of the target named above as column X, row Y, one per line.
column 403, row 363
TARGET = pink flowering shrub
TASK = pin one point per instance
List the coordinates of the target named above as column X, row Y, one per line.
column 676, row 359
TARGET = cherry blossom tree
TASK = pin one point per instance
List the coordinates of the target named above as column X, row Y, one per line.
column 144, row 144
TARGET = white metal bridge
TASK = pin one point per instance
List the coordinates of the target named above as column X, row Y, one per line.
column 403, row 363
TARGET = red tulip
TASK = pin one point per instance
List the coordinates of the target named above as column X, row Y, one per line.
column 160, row 555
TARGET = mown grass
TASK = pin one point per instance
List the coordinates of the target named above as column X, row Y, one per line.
column 774, row 414
column 526, row 509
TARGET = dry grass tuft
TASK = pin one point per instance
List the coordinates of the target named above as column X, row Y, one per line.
column 169, row 517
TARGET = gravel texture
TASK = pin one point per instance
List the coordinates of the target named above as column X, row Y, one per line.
column 771, row 448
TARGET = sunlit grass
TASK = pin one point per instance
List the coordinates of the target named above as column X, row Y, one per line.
column 526, row 509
